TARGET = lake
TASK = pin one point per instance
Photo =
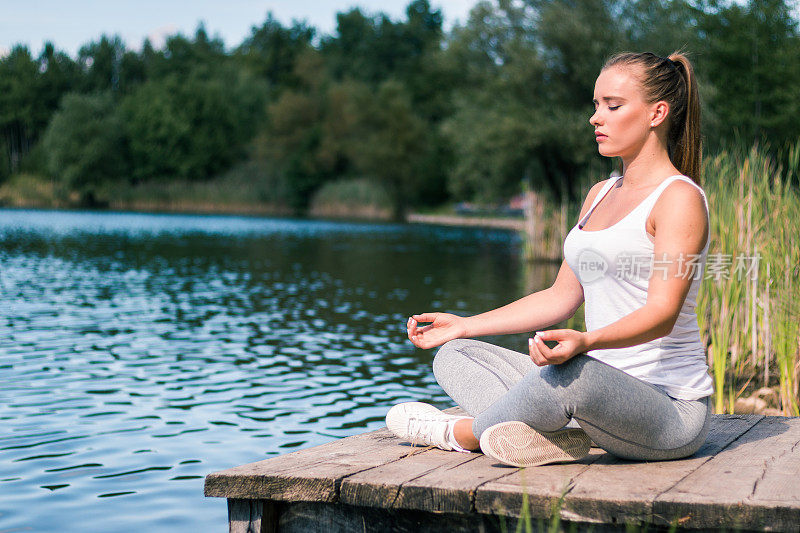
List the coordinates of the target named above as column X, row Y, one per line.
column 140, row 352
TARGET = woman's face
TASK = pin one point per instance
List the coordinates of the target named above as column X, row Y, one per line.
column 622, row 120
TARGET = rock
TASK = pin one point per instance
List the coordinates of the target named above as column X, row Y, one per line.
column 751, row 405
column 768, row 394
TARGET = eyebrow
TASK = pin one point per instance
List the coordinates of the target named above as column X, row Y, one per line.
column 608, row 99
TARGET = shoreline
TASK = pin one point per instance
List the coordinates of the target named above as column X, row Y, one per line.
column 516, row 224
column 266, row 210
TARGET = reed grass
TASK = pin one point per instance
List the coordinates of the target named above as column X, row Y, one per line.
column 749, row 317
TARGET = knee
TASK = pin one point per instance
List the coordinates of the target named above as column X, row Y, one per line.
column 448, row 357
column 573, row 380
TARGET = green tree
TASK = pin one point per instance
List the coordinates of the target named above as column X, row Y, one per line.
column 299, row 137
column 392, row 144
column 58, row 75
column 751, row 53
column 85, row 143
column 192, row 127
column 101, row 63
column 520, row 113
column 271, row 50
column 18, row 106
column 181, row 56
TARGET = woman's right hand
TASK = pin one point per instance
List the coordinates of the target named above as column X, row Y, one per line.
column 443, row 327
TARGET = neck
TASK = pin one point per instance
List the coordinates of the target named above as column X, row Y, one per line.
column 647, row 167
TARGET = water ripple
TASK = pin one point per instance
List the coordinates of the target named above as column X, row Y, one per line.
column 140, row 352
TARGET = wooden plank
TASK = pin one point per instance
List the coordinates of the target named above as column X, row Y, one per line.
column 615, row 491
column 532, row 490
column 312, row 474
column 382, row 486
column 339, row 518
column 780, row 481
column 450, row 489
column 733, row 490
column 610, row 490
column 245, row 516
column 744, row 476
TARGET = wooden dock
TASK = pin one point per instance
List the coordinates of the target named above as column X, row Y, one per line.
column 746, row 477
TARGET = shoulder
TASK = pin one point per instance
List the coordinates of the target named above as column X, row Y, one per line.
column 682, row 196
column 681, row 208
column 592, row 194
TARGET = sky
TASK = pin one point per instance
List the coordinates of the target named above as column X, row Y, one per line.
column 73, row 23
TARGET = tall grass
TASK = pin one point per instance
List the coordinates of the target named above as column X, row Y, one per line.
column 749, row 315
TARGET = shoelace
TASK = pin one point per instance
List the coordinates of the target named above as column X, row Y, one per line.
column 419, row 429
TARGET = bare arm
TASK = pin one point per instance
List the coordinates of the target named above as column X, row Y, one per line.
column 534, row 311
column 681, row 230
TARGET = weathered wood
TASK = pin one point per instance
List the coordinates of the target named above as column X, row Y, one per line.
column 450, row 489
column 617, row 491
column 745, row 476
column 308, row 475
column 531, row 490
column 382, row 486
column 734, row 489
column 269, row 516
column 308, row 517
column 245, row 516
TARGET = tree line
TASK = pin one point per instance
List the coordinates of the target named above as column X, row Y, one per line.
column 427, row 114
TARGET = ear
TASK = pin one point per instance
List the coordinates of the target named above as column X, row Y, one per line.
column 658, row 113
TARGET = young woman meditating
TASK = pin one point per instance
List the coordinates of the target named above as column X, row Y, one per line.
column 636, row 381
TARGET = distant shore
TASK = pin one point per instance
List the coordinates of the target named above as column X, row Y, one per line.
column 216, row 208
column 516, row 224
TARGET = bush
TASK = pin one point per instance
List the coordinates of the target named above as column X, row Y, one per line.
column 84, row 143
column 351, row 198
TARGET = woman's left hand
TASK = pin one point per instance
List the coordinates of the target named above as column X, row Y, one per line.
column 570, row 344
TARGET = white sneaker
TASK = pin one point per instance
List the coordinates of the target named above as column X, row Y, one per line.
column 421, row 423
column 518, row 444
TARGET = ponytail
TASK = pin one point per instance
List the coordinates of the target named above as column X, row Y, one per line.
column 672, row 80
column 686, row 145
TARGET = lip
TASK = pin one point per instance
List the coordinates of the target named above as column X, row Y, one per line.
column 600, row 136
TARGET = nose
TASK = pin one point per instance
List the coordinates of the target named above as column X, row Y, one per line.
column 594, row 120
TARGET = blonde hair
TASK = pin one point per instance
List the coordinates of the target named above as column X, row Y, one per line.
column 671, row 80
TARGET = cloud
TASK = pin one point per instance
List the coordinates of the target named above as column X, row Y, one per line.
column 158, row 37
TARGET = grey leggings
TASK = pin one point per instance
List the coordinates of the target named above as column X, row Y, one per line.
column 623, row 415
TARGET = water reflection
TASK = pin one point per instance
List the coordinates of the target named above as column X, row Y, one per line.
column 140, row 352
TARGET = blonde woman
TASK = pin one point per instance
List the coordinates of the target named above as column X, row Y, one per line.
column 636, row 381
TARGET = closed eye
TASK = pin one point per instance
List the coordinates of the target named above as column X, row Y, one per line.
column 614, row 107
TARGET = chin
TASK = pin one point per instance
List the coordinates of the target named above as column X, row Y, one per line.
column 606, row 151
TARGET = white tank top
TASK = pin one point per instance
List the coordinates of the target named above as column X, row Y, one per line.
column 614, row 265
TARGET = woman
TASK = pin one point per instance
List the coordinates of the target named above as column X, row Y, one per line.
column 636, row 382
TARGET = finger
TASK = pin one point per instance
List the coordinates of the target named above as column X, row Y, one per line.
column 425, row 317
column 416, row 341
column 421, row 343
column 423, row 329
column 551, row 334
column 545, row 352
column 536, row 356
